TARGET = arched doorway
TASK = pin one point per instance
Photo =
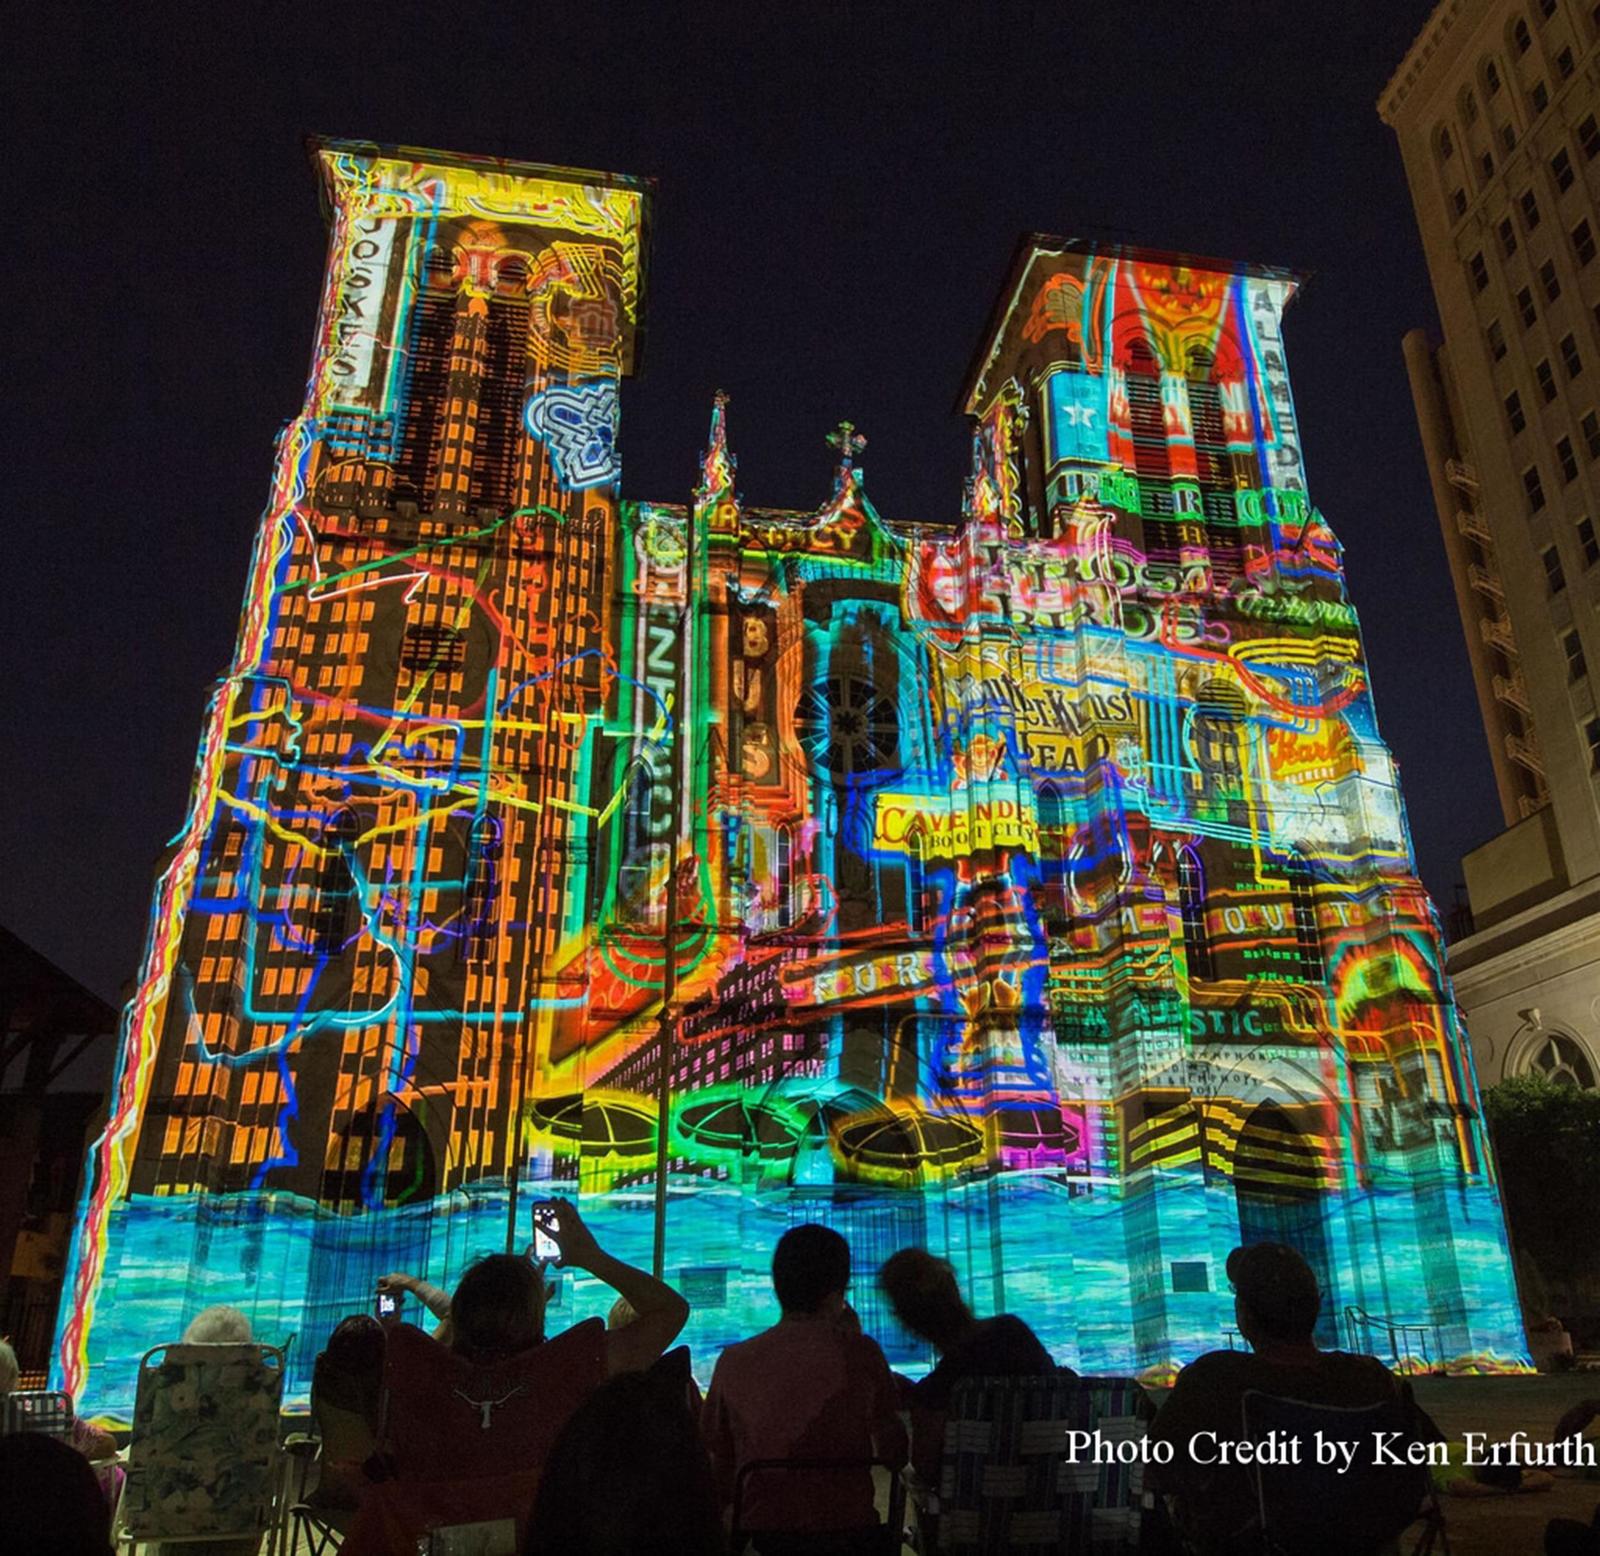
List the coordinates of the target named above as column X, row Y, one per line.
column 1278, row 1188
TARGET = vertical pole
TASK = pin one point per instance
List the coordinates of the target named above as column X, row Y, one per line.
column 667, row 1025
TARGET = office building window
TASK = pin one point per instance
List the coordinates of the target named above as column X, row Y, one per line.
column 1514, row 417
column 1555, row 580
column 1547, row 8
column 1591, row 433
column 1534, row 488
column 1525, row 307
column 1572, row 647
column 1495, row 337
column 1447, row 147
column 1508, row 238
column 1589, row 138
column 1568, row 461
column 1486, row 166
column 1564, row 63
column 1569, row 356
column 1561, row 170
column 1491, row 79
column 1588, row 543
column 1540, row 96
column 1547, row 380
column 1529, row 204
column 1521, row 38
column 1591, row 733
column 1458, row 202
column 1469, row 108
column 1549, row 280
column 1583, row 243
column 1479, row 272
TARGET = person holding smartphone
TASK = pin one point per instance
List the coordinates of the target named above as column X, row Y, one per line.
column 660, row 1312
column 499, row 1305
column 392, row 1288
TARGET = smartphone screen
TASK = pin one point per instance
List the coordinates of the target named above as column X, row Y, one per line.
column 544, row 1245
column 388, row 1304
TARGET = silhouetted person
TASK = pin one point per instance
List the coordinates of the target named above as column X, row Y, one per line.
column 628, row 1476
column 498, row 1307
column 1276, row 1302
column 810, row 1387
column 927, row 1300
column 50, row 1502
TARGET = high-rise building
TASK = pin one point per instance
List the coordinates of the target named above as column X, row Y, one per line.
column 1034, row 886
column 1497, row 110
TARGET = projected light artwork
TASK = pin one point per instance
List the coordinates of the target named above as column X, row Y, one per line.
column 1035, row 886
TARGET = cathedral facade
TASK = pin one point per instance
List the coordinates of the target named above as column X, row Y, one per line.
column 1032, row 885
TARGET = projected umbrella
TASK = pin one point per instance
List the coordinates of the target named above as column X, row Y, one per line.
column 1039, row 1128
column 560, row 1116
column 906, row 1144
column 721, row 1124
column 610, row 1125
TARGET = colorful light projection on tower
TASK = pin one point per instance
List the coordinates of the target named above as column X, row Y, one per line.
column 1035, row 887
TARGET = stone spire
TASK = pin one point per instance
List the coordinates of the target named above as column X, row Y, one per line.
column 717, row 466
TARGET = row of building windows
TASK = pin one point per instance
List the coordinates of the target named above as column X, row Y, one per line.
column 1562, row 173
column 1491, row 81
column 1583, row 252
column 1588, row 547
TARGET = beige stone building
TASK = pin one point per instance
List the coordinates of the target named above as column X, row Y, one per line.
column 1497, row 109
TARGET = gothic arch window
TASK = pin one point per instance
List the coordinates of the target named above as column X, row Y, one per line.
column 337, row 899
column 1053, row 818
column 916, row 881
column 483, row 871
column 429, row 345
column 1147, row 418
column 1192, row 915
column 1051, row 804
column 1310, row 965
column 1219, row 712
column 496, row 439
column 638, row 811
column 1561, row 1059
column 784, row 849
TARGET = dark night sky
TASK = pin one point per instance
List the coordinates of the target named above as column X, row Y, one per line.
column 840, row 190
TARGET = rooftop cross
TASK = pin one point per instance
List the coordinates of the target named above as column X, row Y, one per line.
column 848, row 441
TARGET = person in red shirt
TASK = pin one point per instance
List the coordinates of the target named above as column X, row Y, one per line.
column 810, row 1387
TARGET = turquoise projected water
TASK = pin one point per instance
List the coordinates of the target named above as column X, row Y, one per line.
column 1063, row 1249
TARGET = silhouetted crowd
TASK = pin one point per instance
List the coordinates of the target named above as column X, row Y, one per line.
column 597, row 1439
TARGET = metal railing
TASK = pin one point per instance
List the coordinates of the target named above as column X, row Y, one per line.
column 1496, row 632
column 1484, row 581
column 1512, row 689
column 1525, row 753
column 1408, row 1348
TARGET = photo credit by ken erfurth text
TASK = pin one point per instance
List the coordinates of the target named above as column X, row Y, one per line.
column 1376, row 1449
